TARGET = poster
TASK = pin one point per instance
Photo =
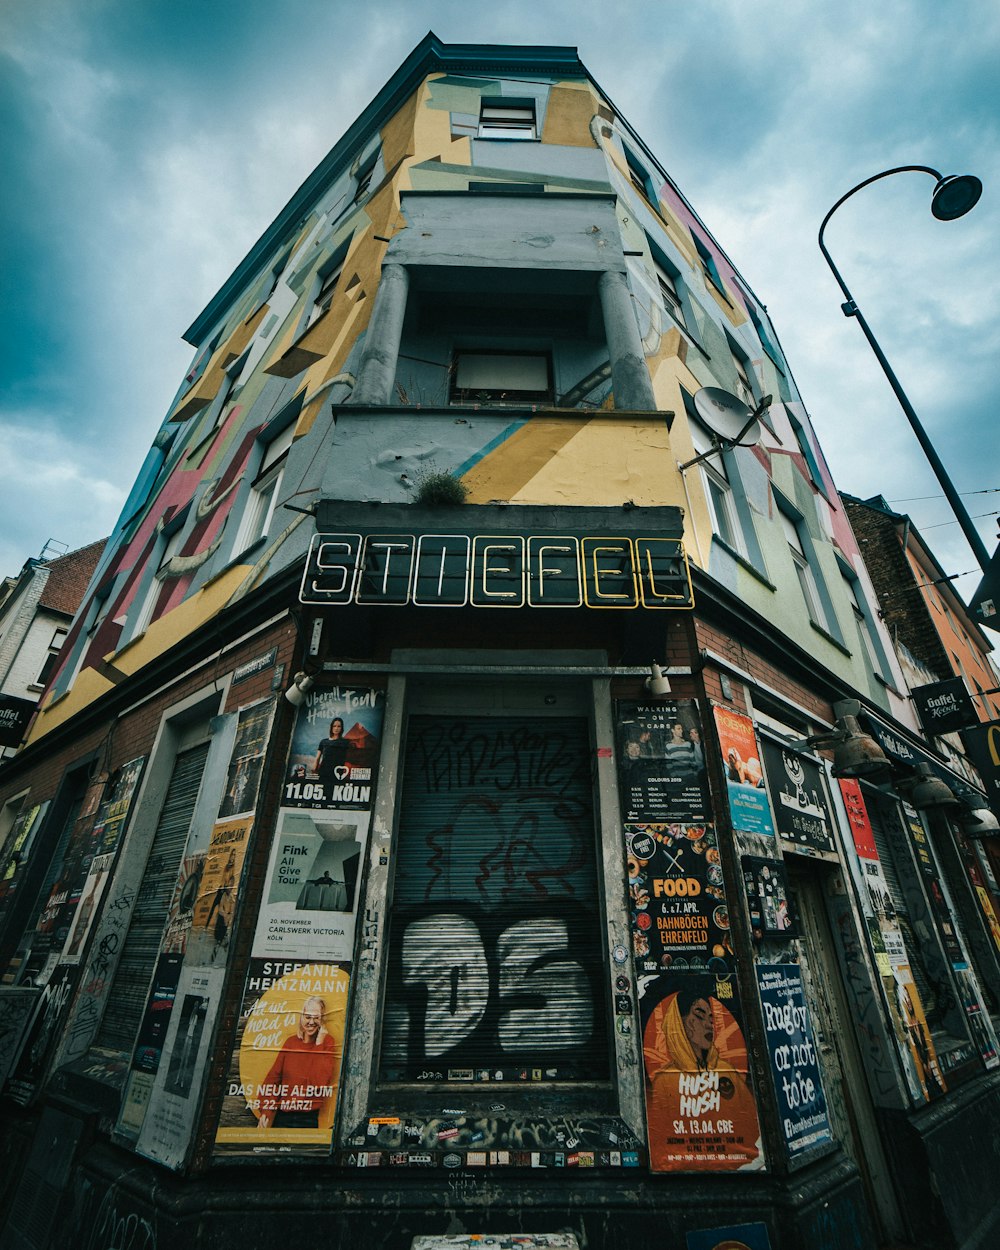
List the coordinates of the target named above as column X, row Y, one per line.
column 680, row 918
column 791, row 1047
column 798, row 799
column 661, row 762
column 766, row 887
column 749, row 809
column 32, row 1062
column 246, row 761
column 731, row 1237
column 700, row 1108
column 335, row 748
column 169, row 1120
column 218, row 887
column 16, row 1008
column 311, row 888
column 281, row 1088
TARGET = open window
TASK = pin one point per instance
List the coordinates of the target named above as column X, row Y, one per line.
column 507, row 119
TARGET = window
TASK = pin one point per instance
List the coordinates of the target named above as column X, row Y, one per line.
column 744, row 387
column 499, row 377
column 49, row 664
column 324, row 295
column 507, row 119
column 708, row 264
column 230, row 389
column 264, row 492
column 862, row 621
column 807, row 582
column 641, row 180
column 169, row 548
column 669, row 294
column 762, row 334
column 718, row 490
column 805, row 447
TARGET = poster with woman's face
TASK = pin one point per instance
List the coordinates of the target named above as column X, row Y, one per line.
column 281, row 1088
column 748, row 805
column 335, row 748
column 700, row 1108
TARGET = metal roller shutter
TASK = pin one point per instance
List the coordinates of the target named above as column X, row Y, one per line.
column 495, row 968
column 130, row 989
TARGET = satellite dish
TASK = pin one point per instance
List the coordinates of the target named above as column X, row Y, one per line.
column 728, row 417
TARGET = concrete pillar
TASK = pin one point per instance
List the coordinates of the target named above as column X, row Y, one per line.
column 629, row 376
column 380, row 352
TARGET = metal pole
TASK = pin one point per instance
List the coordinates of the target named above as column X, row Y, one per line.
column 852, row 310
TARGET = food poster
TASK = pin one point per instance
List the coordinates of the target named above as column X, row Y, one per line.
column 661, row 762
column 791, row 1047
column 335, row 748
column 311, row 889
column 749, row 809
column 169, row 1121
column 700, row 1108
column 920, row 1064
column 281, row 1087
column 768, row 900
column 798, row 799
column 677, row 901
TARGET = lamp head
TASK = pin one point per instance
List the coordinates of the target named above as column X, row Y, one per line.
column 296, row 693
column 955, row 195
column 930, row 791
column 658, row 684
column 980, row 823
column 857, row 754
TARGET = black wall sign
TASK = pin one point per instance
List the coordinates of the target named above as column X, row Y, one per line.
column 798, row 797
column 944, row 706
column 14, row 716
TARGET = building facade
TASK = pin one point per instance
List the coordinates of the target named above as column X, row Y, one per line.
column 36, row 610
column 440, row 775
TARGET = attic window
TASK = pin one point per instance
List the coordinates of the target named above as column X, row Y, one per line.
column 507, row 120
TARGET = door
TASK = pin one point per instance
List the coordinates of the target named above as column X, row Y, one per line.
column 849, row 1105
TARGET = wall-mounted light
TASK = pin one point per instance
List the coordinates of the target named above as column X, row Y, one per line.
column 980, row 822
column 855, row 753
column 928, row 791
column 658, row 683
column 296, row 693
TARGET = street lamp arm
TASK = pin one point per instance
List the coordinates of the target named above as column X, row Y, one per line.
column 899, row 169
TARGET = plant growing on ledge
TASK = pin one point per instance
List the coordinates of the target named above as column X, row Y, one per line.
column 441, row 490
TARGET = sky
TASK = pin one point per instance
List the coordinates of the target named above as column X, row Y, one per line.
column 146, row 144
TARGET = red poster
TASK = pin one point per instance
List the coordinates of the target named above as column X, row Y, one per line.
column 857, row 815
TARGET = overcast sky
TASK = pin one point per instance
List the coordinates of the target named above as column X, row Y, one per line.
column 147, row 143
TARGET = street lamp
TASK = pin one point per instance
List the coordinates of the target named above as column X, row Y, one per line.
column 953, row 197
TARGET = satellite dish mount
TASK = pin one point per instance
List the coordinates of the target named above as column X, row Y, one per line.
column 731, row 422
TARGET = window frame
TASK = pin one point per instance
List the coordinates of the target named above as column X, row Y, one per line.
column 719, row 494
column 61, row 632
column 497, row 396
column 709, row 267
column 511, row 127
column 262, row 501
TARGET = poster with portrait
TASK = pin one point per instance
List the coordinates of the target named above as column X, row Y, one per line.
column 791, row 1047
column 700, row 1107
column 311, row 888
column 335, row 748
column 749, row 808
column 677, row 900
column 218, row 889
column 661, row 762
column 281, row 1087
column 798, row 798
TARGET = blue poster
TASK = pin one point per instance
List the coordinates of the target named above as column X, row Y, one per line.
column 794, row 1061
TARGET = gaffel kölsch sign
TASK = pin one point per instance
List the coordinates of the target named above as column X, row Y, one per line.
column 497, row 570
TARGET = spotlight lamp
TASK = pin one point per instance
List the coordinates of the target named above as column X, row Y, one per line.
column 855, row 753
column 658, row 683
column 980, row 822
column 929, row 792
column 302, row 683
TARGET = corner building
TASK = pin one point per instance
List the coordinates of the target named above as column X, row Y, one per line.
column 490, row 928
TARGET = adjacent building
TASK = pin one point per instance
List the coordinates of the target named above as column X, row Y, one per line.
column 479, row 794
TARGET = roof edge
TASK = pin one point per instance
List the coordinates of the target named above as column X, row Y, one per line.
column 428, row 56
